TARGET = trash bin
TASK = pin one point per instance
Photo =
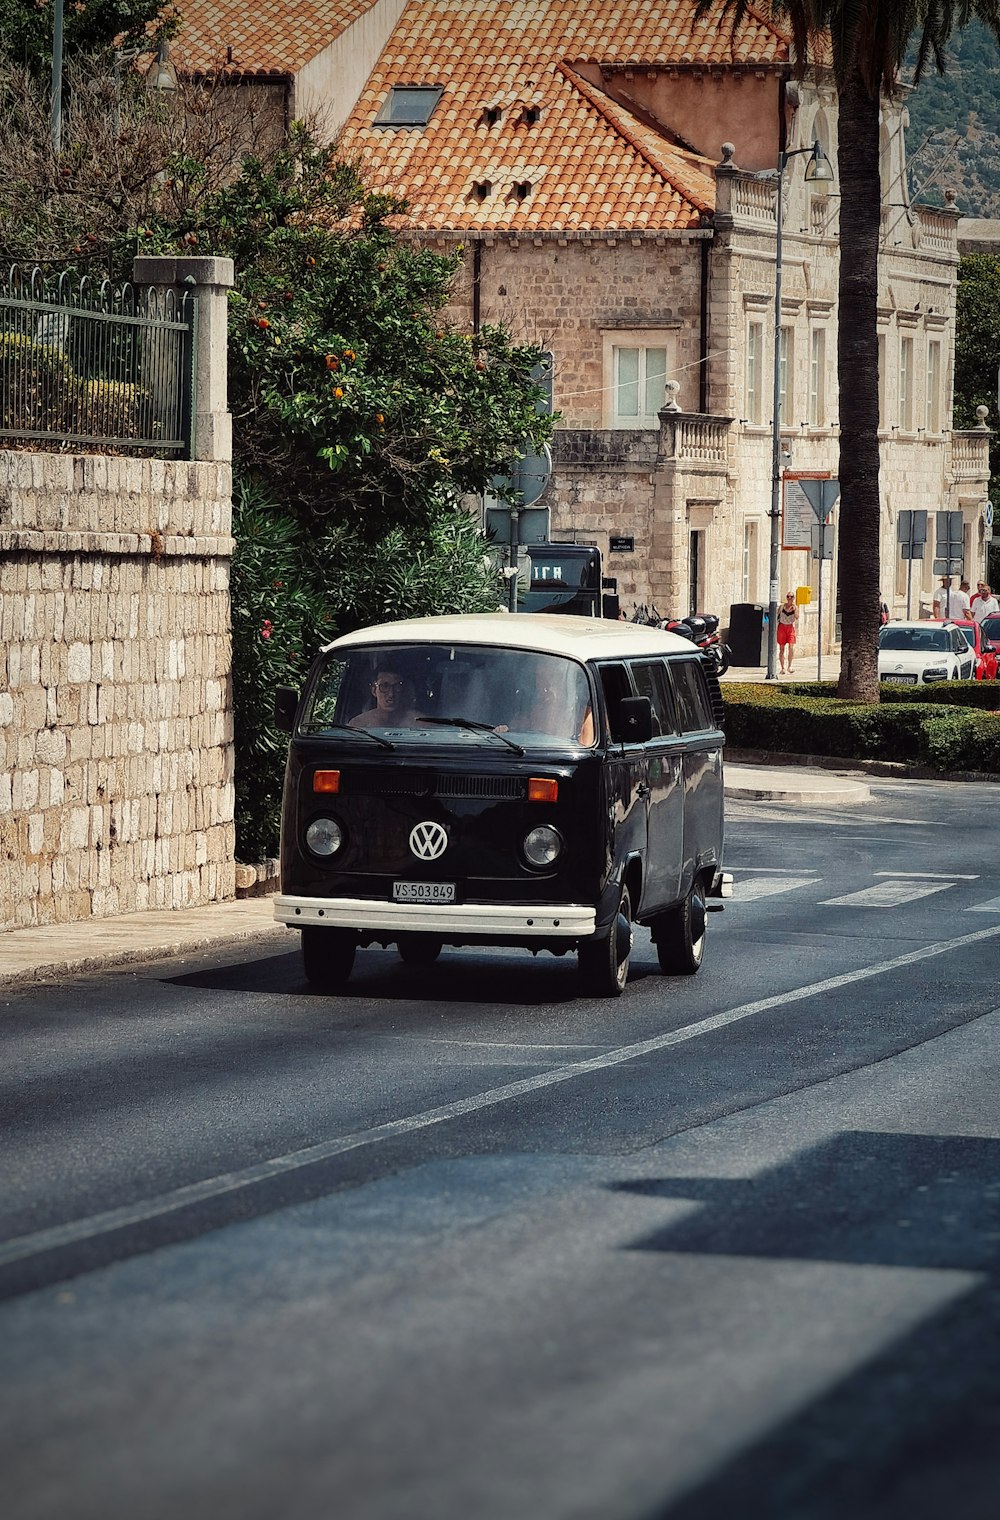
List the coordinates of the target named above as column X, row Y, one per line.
column 748, row 633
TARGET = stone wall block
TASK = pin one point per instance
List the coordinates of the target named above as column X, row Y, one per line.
column 106, row 655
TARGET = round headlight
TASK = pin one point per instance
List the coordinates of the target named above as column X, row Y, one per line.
column 324, row 836
column 542, row 846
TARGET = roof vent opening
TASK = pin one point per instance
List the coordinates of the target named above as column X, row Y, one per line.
column 491, row 116
column 408, row 106
column 482, row 189
column 531, row 115
column 521, row 189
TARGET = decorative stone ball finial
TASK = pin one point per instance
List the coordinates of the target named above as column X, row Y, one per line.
column 671, row 387
column 982, row 412
column 728, row 150
column 950, row 197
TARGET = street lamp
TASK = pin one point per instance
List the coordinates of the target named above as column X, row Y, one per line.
column 55, row 105
column 818, row 171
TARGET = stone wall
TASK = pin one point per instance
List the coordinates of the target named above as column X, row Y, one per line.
column 116, row 757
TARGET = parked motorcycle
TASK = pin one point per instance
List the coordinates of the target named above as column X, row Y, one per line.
column 703, row 630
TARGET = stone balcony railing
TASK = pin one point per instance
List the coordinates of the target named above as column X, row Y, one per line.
column 694, row 438
column 970, row 454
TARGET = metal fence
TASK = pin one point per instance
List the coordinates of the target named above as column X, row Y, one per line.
column 97, row 365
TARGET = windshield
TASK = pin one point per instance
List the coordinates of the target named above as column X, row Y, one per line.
column 458, row 695
column 561, row 583
column 931, row 640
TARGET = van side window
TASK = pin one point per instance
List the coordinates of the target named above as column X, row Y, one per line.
column 651, row 681
column 615, row 685
column 693, row 707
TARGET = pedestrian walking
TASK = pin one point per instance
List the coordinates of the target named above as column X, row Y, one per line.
column 788, row 622
column 949, row 601
column 984, row 603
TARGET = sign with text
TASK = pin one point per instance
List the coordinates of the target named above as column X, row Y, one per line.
column 806, row 498
column 620, row 543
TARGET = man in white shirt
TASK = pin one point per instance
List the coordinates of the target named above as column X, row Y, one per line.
column 949, row 602
column 984, row 604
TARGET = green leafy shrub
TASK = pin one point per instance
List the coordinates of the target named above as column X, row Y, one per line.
column 39, row 392
column 978, row 694
column 784, row 720
column 112, row 409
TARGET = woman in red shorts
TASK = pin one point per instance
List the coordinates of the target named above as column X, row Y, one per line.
column 788, row 622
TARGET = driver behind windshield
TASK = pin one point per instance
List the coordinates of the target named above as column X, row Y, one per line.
column 393, row 697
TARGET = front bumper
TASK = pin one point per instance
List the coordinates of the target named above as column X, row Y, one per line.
column 546, row 921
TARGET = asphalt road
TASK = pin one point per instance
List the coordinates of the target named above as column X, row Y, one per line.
column 463, row 1242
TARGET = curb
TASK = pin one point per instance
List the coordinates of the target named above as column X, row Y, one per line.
column 892, row 768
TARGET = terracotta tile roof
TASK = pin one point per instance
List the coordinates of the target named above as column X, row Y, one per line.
column 590, row 165
column 266, row 37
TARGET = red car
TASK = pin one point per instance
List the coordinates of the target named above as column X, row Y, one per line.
column 986, row 654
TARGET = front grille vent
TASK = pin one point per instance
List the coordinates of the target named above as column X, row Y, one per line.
column 479, row 786
column 373, row 781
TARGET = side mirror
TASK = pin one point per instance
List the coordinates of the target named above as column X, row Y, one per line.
column 635, row 720
column 286, row 701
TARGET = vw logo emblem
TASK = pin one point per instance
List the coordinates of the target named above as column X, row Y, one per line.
column 428, row 840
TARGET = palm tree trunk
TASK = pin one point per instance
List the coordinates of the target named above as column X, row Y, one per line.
column 857, row 369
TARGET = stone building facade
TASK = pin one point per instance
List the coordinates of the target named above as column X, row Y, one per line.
column 599, row 213
column 116, row 741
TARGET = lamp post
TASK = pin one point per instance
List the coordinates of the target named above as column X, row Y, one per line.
column 55, row 104
column 818, row 171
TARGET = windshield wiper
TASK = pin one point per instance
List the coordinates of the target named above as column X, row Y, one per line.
column 345, row 728
column 476, row 728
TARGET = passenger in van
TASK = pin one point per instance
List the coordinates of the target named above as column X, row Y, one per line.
column 394, row 702
column 546, row 710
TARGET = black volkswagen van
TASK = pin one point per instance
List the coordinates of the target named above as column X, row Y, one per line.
column 494, row 780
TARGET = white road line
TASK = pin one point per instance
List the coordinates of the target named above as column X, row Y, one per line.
column 754, row 887
column 886, row 894
column 927, row 875
column 991, row 906
column 78, row 1230
column 770, row 871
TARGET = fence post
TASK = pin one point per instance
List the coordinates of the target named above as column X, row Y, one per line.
column 207, row 280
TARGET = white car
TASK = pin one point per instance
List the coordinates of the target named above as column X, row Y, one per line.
column 917, row 654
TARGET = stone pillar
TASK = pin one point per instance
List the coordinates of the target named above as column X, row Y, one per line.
column 208, row 279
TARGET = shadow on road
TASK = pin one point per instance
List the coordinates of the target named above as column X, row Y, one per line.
column 914, row 1434
column 475, row 978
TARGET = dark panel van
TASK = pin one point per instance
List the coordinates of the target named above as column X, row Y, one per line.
column 493, row 780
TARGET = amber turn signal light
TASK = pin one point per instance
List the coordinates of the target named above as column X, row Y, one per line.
column 326, row 781
column 542, row 789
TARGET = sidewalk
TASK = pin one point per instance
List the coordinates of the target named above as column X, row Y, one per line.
column 62, row 950
column 808, row 667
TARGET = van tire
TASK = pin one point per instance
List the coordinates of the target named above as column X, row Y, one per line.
column 679, row 934
column 419, row 949
column 601, row 966
column 327, row 956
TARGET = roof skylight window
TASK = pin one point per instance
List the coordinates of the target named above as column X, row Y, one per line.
column 408, row 106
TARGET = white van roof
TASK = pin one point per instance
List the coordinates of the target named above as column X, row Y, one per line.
column 580, row 638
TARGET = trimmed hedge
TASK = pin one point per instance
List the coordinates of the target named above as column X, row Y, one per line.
column 959, row 736
column 978, row 694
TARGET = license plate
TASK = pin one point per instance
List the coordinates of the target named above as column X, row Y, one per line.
column 423, row 891
column 902, row 680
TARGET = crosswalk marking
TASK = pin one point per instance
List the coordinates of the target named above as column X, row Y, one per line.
column 768, row 886
column 992, row 906
column 887, row 894
column 929, row 875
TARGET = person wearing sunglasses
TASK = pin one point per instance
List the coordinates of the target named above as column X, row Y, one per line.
column 394, row 702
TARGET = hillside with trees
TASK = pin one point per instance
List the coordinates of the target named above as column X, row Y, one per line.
column 953, row 139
